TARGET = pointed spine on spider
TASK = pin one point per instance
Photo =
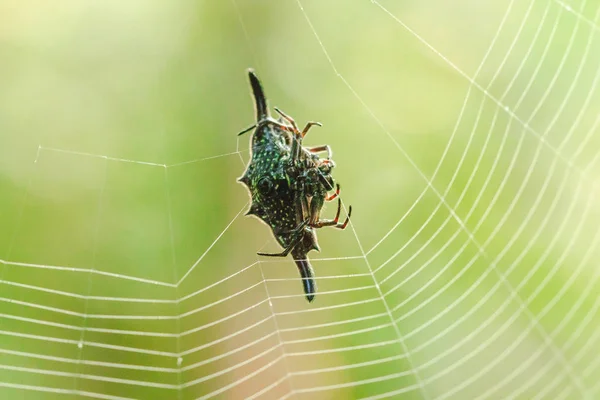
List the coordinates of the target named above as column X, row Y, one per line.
column 289, row 184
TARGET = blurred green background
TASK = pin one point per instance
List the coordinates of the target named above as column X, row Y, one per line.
column 465, row 135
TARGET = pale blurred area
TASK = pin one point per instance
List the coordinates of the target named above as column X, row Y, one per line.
column 466, row 136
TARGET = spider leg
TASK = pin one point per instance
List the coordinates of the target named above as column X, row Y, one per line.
column 248, row 129
column 299, row 228
column 328, row 185
column 286, row 251
column 298, row 231
column 288, row 119
column 328, row 222
column 334, row 222
column 309, row 125
column 302, row 212
column 293, row 123
column 315, row 208
column 281, row 125
column 335, row 194
column 297, row 139
column 320, row 149
column 343, row 226
column 267, row 120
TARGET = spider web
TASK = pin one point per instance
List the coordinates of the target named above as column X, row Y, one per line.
column 478, row 281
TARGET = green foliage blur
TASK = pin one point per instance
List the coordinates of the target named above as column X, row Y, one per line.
column 464, row 135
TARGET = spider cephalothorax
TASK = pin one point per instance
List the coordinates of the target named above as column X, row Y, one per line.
column 289, row 184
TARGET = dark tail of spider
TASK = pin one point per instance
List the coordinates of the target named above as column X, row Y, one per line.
column 308, row 282
column 259, row 96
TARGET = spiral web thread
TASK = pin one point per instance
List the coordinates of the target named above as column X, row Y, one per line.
column 196, row 339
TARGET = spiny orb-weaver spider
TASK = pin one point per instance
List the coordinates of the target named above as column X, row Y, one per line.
column 289, row 184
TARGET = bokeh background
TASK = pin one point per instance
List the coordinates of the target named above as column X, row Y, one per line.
column 466, row 137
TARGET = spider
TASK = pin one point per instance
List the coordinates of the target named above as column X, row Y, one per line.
column 313, row 175
column 289, row 185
